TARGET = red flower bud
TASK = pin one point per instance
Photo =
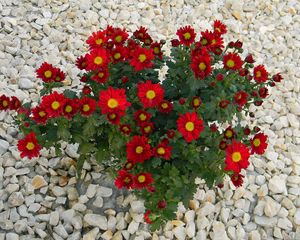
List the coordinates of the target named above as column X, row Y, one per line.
column 258, row 103
column 247, row 131
column 182, row 101
column 175, row 42
column 243, row 72
column 162, row 204
column 272, row 84
column 254, row 94
column 125, row 79
column 170, row 134
column 223, row 145
column 277, row 77
column 213, row 127
column 224, row 103
column 220, row 185
column 263, row 92
column 256, row 129
column 249, row 59
column 220, row 77
column 238, row 44
column 83, row 79
column 86, row 90
column 212, row 84
column 231, row 44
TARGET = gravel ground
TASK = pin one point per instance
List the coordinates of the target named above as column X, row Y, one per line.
column 41, row 199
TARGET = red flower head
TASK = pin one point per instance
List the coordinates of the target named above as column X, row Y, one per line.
column 70, row 108
column 113, row 118
column 119, row 36
column 4, row 102
column 86, row 90
column 201, row 64
column 219, row 27
column 229, row 133
column 240, row 98
column 259, row 143
column 59, row 75
column 101, row 75
column 190, row 126
column 260, row 74
column 142, row 180
column 97, row 59
column 109, row 31
column 277, row 77
column 237, row 156
column 249, row 59
column 138, row 149
column 186, row 35
column 263, row 92
column 147, row 128
column 140, row 34
column 128, row 166
column 39, row 115
column 118, row 54
column 224, row 103
column 237, row 179
column 141, row 116
column 165, row 106
column 156, row 47
column 53, row 104
column 196, row 102
column 97, row 39
column 87, row 106
column 150, row 94
column 124, row 179
column 81, row 62
column 147, row 40
column 142, row 58
column 125, row 129
column 232, row 61
column 14, row 104
column 113, row 100
column 171, row 133
column 46, row 72
column 29, row 146
column 162, row 151
column 147, row 217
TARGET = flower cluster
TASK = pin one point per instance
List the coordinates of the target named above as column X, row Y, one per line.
column 162, row 135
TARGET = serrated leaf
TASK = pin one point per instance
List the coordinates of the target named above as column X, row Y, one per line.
column 79, row 164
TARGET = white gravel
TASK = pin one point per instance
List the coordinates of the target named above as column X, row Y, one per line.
column 55, row 206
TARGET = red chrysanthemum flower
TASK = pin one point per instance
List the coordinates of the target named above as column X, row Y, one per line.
column 196, row 102
column 219, row 27
column 119, row 36
column 140, row 34
column 4, row 102
column 46, row 72
column 142, row 180
column 200, row 64
column 146, row 128
column 141, row 116
column 277, row 77
column 39, row 115
column 29, row 146
column 150, row 95
column 147, row 217
column 237, row 179
column 128, row 166
column 156, row 47
column 109, row 30
column 241, row 98
column 232, row 61
column 142, row 58
column 259, row 143
column 237, row 157
column 224, row 103
column 124, row 179
column 101, row 75
column 118, row 54
column 125, row 129
column 263, row 92
column 113, row 118
column 70, row 108
column 190, row 126
column 81, row 62
column 113, row 100
column 205, row 39
column 186, row 35
column 53, row 104
column 260, row 74
column 87, row 106
column 138, row 149
column 97, row 39
column 165, row 106
column 229, row 133
column 14, row 103
column 97, row 59
column 59, row 75
column 162, row 151
column 147, row 40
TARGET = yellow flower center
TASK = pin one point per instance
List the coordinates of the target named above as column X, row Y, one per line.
column 228, row 133
column 112, row 103
column 86, row 108
column 147, row 129
column 256, row 142
column 139, row 149
column 117, row 55
column 239, row 96
column 196, row 102
column 55, row 105
column 118, row 38
column 236, row 156
column 142, row 117
column 112, row 116
column 204, row 41
column 142, row 57
column 98, row 60
column 230, row 63
column 150, row 94
column 202, row 66
column 156, row 50
column 164, row 105
column 125, row 129
column 30, row 146
column 258, row 74
column 161, row 151
column 68, row 109
column 5, row 103
column 189, row 126
column 141, row 178
column 100, row 74
column 42, row 114
column 127, row 180
column 187, row 36
column 218, row 29
column 99, row 41
column 48, row 74
column 213, row 41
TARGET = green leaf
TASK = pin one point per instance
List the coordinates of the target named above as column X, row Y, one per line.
column 101, row 155
column 79, row 165
column 70, row 94
column 86, row 148
column 63, row 132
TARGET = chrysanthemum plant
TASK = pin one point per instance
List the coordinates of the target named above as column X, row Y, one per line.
column 156, row 136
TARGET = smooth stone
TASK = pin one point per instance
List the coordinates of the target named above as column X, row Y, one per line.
column 15, row 199
column 3, row 146
column 38, row 182
column 96, row 220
